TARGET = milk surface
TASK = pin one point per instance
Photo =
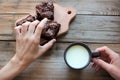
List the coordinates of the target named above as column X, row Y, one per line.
column 77, row 56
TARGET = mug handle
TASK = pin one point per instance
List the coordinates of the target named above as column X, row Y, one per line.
column 96, row 54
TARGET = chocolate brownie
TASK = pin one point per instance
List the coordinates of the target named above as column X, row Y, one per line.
column 45, row 10
column 50, row 30
column 29, row 18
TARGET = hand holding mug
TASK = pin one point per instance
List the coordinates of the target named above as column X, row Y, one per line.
column 109, row 60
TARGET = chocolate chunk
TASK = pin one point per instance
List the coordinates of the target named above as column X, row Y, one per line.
column 29, row 18
column 50, row 30
column 45, row 10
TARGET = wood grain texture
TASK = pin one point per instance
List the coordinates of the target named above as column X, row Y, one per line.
column 51, row 65
column 61, row 15
column 97, row 24
column 85, row 28
column 93, row 7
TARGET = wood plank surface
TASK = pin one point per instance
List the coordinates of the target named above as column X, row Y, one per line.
column 94, row 7
column 97, row 24
column 104, row 29
column 51, row 65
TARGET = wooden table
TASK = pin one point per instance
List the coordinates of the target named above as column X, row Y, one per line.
column 97, row 24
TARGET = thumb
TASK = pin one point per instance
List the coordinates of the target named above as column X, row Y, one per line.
column 48, row 45
column 102, row 63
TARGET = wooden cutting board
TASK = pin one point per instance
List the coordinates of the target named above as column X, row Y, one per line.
column 62, row 15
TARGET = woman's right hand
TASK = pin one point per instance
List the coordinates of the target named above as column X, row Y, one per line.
column 109, row 60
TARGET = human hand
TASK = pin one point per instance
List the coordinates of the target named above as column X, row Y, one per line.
column 28, row 49
column 109, row 60
column 28, row 36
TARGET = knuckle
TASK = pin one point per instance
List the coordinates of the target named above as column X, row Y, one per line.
column 26, row 24
column 40, row 28
column 34, row 41
column 34, row 23
column 105, row 47
column 18, row 27
column 97, row 49
column 17, row 39
column 26, row 39
column 22, row 28
column 15, row 29
column 116, row 56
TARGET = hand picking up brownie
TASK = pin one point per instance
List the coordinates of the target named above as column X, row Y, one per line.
column 44, row 10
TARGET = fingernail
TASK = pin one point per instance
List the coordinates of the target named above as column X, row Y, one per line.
column 54, row 40
column 27, row 22
column 45, row 19
column 37, row 21
column 18, row 26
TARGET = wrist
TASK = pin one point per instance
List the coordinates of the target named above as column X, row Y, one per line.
column 17, row 62
column 12, row 69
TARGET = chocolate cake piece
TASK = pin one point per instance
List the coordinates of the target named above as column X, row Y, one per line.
column 50, row 30
column 29, row 18
column 45, row 10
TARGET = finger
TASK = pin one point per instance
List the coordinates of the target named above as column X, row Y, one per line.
column 93, row 65
column 48, row 45
column 17, row 31
column 106, row 50
column 25, row 27
column 39, row 28
column 32, row 27
column 97, row 67
column 102, row 64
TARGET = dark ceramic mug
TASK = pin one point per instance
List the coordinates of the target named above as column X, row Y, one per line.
column 78, row 55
